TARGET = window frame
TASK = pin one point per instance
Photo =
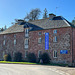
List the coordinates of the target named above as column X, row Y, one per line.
column 26, row 44
column 39, row 40
column 55, row 39
column 39, row 55
column 55, row 31
column 26, row 53
column 14, row 41
column 55, row 54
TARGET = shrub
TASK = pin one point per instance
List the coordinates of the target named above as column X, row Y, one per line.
column 31, row 57
column 18, row 57
column 7, row 57
column 45, row 58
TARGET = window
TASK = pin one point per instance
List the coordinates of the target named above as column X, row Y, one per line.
column 26, row 32
column 4, row 36
column 14, row 53
column 54, row 31
column 26, row 43
column 55, row 39
column 39, row 40
column 4, row 42
column 14, row 35
column 39, row 54
column 15, row 42
column 39, row 33
column 3, row 54
column 26, row 53
column 55, row 54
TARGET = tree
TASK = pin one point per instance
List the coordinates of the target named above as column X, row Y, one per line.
column 73, row 21
column 45, row 57
column 31, row 57
column 18, row 57
column 7, row 57
column 45, row 14
column 34, row 14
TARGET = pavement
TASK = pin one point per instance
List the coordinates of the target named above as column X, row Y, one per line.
column 19, row 69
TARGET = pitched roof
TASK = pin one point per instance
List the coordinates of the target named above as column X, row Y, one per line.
column 56, row 22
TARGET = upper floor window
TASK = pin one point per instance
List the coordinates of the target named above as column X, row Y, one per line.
column 55, row 31
column 55, row 39
column 26, row 43
column 39, row 33
column 26, row 32
column 4, row 42
column 55, row 54
column 4, row 36
column 39, row 40
column 14, row 35
column 14, row 41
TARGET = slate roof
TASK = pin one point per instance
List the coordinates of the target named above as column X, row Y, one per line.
column 56, row 22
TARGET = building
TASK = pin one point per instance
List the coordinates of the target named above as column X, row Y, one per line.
column 54, row 35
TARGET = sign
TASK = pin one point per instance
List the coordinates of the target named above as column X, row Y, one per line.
column 63, row 51
column 46, row 41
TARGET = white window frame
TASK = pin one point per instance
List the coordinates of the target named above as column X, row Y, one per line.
column 26, row 54
column 3, row 54
column 39, row 53
column 26, row 32
column 39, row 33
column 39, row 40
column 4, row 42
column 55, row 31
column 55, row 39
column 14, row 41
column 14, row 35
column 26, row 43
column 55, row 52
column 4, row 36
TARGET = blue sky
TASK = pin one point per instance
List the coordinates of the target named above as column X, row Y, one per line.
column 17, row 9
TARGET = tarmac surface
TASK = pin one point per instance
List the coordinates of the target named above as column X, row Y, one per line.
column 19, row 69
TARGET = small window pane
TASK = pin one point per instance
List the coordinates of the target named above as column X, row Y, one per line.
column 54, row 31
column 55, row 54
column 39, row 33
column 15, row 42
column 39, row 40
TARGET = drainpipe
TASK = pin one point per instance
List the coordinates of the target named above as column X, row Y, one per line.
column 72, row 47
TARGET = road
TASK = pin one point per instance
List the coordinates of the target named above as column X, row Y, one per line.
column 17, row 69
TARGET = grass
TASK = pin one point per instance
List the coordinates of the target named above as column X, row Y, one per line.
column 29, row 63
column 8, row 62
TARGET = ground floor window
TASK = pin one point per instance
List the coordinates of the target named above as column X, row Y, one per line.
column 55, row 54
column 26, row 53
column 39, row 53
column 3, row 54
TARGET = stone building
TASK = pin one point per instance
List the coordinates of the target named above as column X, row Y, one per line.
column 54, row 35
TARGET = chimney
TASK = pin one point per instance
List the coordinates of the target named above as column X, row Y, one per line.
column 51, row 16
column 20, row 21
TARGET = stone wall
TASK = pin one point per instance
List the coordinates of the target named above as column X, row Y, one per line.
column 63, row 43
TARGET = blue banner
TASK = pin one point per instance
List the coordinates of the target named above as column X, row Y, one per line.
column 46, row 41
column 63, row 51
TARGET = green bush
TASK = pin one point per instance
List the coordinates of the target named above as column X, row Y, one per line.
column 45, row 58
column 18, row 57
column 31, row 57
column 7, row 57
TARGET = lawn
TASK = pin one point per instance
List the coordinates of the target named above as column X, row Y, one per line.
column 8, row 62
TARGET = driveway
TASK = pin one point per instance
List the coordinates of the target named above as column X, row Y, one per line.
column 17, row 69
